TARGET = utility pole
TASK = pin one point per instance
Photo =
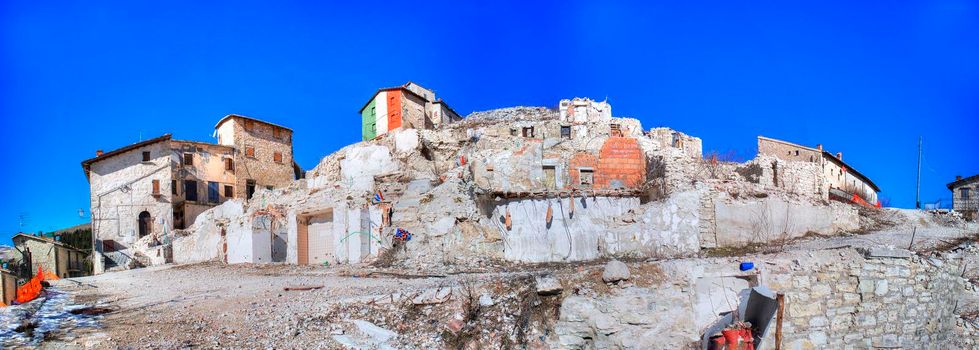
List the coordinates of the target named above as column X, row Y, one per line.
column 917, row 193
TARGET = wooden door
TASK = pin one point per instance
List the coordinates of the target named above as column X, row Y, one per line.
column 302, row 242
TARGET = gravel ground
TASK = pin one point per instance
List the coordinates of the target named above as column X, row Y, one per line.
column 215, row 305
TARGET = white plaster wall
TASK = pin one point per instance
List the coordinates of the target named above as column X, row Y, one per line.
column 203, row 240
column 361, row 164
column 381, row 113
column 226, row 133
column 769, row 219
column 568, row 238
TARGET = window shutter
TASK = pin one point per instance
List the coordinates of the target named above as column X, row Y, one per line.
column 156, row 187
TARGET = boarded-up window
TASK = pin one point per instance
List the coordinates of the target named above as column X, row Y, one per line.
column 276, row 132
column 249, row 125
column 277, row 157
column 190, row 190
column 156, row 187
column 565, row 132
column 550, row 177
column 250, row 152
column 229, row 164
column 188, row 159
column 229, row 191
column 586, row 177
column 146, row 156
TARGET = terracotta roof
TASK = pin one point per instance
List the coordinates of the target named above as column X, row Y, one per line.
column 229, row 116
column 953, row 184
column 86, row 164
column 402, row 88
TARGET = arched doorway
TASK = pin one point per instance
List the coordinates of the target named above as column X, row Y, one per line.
column 145, row 223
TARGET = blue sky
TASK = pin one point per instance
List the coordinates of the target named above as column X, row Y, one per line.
column 863, row 78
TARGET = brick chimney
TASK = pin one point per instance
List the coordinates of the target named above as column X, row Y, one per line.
column 98, row 153
column 839, row 155
column 958, row 177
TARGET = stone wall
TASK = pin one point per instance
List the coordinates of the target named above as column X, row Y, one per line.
column 121, row 188
column 261, row 167
column 871, row 303
column 788, row 151
column 834, row 299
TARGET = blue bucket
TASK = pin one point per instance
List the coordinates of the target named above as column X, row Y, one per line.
column 747, row 265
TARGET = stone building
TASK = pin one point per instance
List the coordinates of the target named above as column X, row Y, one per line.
column 8, row 287
column 584, row 110
column 409, row 106
column 833, row 177
column 56, row 259
column 964, row 195
column 155, row 186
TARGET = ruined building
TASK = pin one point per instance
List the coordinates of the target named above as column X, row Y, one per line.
column 56, row 259
column 161, row 184
column 829, row 175
column 407, row 106
column 965, row 195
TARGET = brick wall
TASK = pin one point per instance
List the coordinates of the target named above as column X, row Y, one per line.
column 620, row 164
column 579, row 160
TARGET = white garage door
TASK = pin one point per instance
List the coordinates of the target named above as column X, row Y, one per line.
column 321, row 240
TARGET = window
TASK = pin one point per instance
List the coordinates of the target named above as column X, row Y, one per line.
column 250, row 152
column 188, row 159
column 277, row 157
column 586, row 177
column 565, row 132
column 249, row 125
column 528, row 131
column 173, row 186
column 268, row 188
column 796, row 153
column 229, row 164
column 373, row 111
column 146, row 156
column 190, row 190
column 156, row 187
column 276, row 132
column 676, row 140
column 229, row 191
column 212, row 192
column 964, row 193
column 615, row 129
column 249, row 189
column 513, row 132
